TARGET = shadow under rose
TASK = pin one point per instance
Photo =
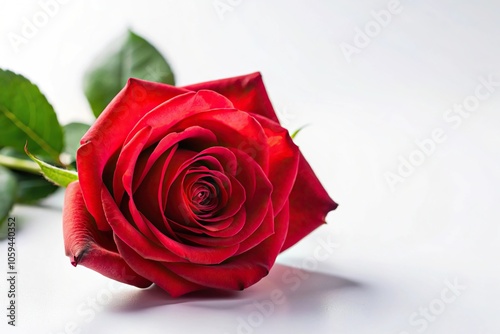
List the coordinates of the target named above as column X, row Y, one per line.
column 154, row 296
column 291, row 287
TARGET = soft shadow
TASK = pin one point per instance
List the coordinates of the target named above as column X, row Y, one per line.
column 297, row 287
column 155, row 296
column 143, row 299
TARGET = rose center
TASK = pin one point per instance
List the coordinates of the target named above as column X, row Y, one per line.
column 204, row 196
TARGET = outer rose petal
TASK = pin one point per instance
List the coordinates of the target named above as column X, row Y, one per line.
column 109, row 132
column 157, row 272
column 246, row 92
column 166, row 115
column 84, row 243
column 309, row 204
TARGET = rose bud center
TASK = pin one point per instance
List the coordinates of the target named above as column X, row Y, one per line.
column 204, row 197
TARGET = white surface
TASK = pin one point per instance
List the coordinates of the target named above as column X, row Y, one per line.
column 394, row 251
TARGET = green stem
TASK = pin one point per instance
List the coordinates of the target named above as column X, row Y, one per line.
column 19, row 164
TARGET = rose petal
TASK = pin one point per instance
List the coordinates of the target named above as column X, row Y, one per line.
column 156, row 272
column 166, row 115
column 223, row 239
column 265, row 230
column 256, row 206
column 170, row 173
column 166, row 249
column 127, row 160
column 309, row 204
column 133, row 215
column 194, row 135
column 129, row 234
column 258, row 191
column 233, row 193
column 177, row 195
column 283, row 161
column 87, row 246
column 267, row 251
column 149, row 196
column 246, row 92
column 218, row 156
column 234, row 129
column 196, row 254
column 108, row 133
column 241, row 271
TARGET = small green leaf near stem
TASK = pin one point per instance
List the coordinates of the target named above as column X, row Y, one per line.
column 58, row 176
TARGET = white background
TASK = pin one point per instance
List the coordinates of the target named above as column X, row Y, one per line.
column 395, row 250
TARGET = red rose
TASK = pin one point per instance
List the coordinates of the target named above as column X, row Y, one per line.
column 189, row 188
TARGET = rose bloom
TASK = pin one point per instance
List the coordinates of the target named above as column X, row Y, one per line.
column 189, row 188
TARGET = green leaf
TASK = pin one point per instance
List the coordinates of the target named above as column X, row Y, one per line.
column 73, row 133
column 129, row 57
column 32, row 188
column 27, row 117
column 56, row 175
column 8, row 190
column 31, row 185
column 296, row 132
